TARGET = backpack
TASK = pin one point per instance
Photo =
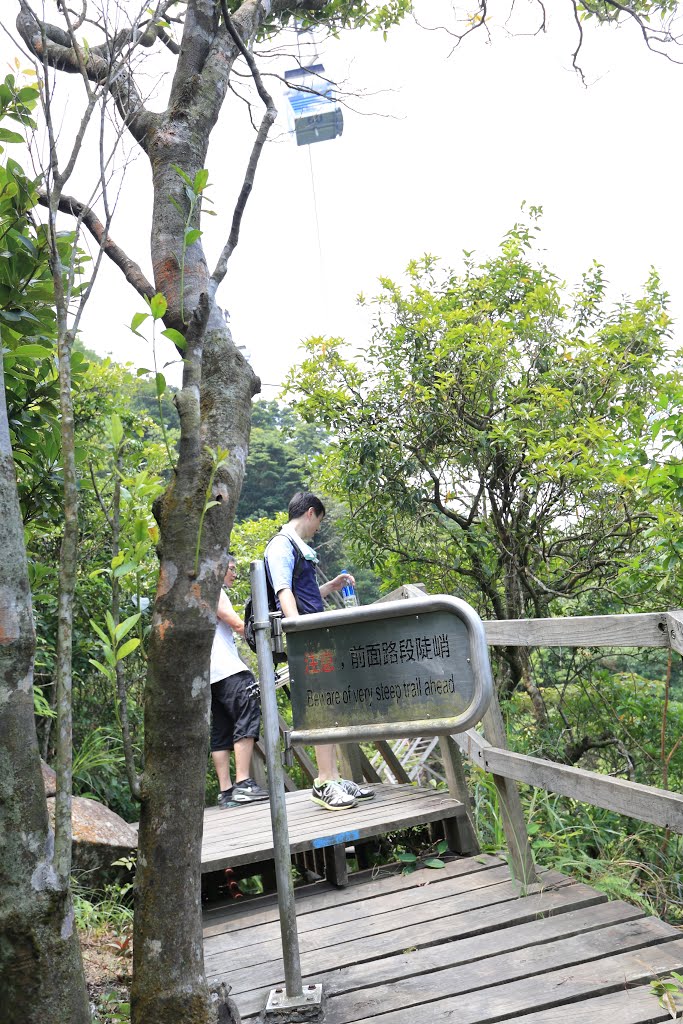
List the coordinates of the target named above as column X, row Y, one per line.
column 249, row 631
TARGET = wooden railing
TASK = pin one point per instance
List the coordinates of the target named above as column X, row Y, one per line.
column 489, row 750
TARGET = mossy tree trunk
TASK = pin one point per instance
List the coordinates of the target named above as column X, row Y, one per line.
column 41, row 971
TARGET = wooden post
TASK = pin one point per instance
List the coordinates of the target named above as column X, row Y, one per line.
column 395, row 766
column 350, row 762
column 460, row 832
column 336, row 871
column 521, row 861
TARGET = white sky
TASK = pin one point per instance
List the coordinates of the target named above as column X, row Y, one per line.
column 472, row 136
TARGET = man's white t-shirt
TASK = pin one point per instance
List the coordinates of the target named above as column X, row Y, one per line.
column 225, row 661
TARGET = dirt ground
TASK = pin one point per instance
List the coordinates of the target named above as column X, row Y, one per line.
column 108, row 963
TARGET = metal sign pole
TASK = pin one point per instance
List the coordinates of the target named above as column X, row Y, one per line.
column 295, row 996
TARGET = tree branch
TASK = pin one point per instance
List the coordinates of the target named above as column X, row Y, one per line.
column 129, row 268
column 52, row 45
column 268, row 118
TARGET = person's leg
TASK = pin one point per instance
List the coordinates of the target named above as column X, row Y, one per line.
column 221, row 742
column 243, row 751
column 245, row 714
column 326, row 756
column 221, row 762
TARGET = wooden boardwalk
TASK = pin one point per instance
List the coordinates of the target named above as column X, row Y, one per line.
column 457, row 944
column 243, row 835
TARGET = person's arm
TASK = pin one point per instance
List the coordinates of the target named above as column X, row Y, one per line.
column 337, row 583
column 227, row 614
column 287, row 603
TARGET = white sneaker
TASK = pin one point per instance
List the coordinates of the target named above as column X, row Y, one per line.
column 356, row 791
column 331, row 796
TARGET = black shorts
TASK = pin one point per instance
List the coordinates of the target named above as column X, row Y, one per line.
column 235, row 712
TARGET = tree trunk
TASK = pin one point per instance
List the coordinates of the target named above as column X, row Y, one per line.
column 214, row 406
column 169, row 984
column 41, row 971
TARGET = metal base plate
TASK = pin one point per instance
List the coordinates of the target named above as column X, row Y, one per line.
column 303, row 1007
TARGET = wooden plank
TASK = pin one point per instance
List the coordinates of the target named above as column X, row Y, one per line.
column 395, row 766
column 674, row 622
column 473, row 745
column 441, row 888
column 646, row 630
column 488, row 921
column 369, row 771
column 491, row 971
column 645, row 803
column 510, row 1000
column 505, row 943
column 254, row 819
column 466, row 836
column 362, row 887
column 627, row 1006
column 223, row 848
column 514, row 823
column 250, row 826
column 349, row 761
column 456, row 899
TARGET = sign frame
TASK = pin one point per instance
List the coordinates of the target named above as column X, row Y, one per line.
column 479, row 658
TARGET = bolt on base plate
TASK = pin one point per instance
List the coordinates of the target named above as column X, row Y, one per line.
column 302, row 1007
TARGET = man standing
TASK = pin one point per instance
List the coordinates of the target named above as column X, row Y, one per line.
column 290, row 564
column 235, row 709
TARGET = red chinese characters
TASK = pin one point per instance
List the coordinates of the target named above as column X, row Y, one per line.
column 318, row 661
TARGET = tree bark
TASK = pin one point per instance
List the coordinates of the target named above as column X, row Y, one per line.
column 41, row 971
column 214, row 406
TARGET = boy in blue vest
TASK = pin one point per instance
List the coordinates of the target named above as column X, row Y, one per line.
column 298, row 593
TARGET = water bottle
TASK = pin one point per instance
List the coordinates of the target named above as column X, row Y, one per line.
column 348, row 593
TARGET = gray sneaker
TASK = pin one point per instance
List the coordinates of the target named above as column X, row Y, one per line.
column 331, row 796
column 357, row 792
column 247, row 792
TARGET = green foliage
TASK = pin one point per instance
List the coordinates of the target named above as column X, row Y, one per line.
column 411, row 861
column 28, row 324
column 496, row 437
column 669, row 993
column 281, row 448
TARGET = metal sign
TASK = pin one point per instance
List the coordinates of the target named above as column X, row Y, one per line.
column 401, row 668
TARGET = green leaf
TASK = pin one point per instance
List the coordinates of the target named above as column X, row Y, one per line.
column 138, row 319
column 126, row 625
column 191, row 235
column 434, row 862
column 407, row 858
column 160, row 382
column 158, row 305
column 201, row 179
column 116, row 429
column 442, row 846
column 100, row 632
column 101, row 668
column 175, row 336
column 8, row 136
column 123, row 570
column 129, row 646
column 32, row 351
column 186, row 177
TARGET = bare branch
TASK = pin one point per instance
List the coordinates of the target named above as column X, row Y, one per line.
column 268, row 118
column 54, row 47
column 130, row 269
